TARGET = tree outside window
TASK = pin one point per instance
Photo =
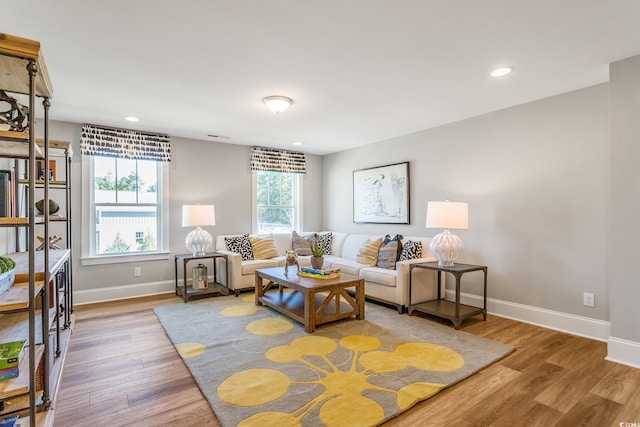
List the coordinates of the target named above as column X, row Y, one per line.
column 277, row 201
column 126, row 200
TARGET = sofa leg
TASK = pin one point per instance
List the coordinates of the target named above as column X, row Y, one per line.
column 400, row 309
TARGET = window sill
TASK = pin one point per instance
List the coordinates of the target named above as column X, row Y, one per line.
column 124, row 258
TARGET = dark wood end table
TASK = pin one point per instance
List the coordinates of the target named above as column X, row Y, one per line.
column 454, row 311
column 215, row 288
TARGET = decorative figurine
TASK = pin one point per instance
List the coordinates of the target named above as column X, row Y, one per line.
column 292, row 259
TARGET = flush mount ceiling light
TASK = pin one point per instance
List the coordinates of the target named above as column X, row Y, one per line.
column 502, row 71
column 277, row 104
column 132, row 119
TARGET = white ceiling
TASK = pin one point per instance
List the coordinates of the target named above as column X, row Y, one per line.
column 359, row 71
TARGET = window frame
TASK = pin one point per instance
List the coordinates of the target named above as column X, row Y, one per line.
column 89, row 256
column 297, row 222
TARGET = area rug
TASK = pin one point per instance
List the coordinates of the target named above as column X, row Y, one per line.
column 259, row 368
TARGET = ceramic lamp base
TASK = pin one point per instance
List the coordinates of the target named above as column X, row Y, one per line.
column 446, row 248
column 198, row 241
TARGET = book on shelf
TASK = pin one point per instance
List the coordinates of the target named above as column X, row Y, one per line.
column 11, row 353
column 319, row 276
column 10, row 421
column 7, row 207
column 325, row 272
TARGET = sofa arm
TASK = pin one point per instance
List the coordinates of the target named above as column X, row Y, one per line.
column 425, row 282
column 235, row 268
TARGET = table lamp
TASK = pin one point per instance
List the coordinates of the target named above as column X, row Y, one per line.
column 446, row 247
column 199, row 240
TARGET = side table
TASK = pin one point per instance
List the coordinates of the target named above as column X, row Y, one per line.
column 215, row 288
column 453, row 311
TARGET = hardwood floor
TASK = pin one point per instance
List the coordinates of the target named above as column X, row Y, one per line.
column 121, row 370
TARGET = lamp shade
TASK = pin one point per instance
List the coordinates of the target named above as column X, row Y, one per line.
column 448, row 215
column 198, row 215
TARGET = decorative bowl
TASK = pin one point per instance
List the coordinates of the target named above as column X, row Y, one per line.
column 53, row 206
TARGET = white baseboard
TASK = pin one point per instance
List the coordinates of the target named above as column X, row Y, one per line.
column 89, row 296
column 623, row 351
column 576, row 325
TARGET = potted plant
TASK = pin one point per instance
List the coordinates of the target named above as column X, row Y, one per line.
column 7, row 273
column 317, row 253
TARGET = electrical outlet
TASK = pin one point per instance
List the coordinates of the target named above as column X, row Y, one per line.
column 589, row 300
column 137, row 272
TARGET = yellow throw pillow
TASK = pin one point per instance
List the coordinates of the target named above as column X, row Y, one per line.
column 264, row 247
column 368, row 253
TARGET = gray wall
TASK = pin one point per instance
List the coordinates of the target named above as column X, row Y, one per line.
column 536, row 178
column 200, row 172
column 625, row 199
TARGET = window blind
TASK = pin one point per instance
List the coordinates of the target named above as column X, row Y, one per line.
column 124, row 143
column 273, row 160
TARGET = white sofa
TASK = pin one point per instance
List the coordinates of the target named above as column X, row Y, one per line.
column 389, row 286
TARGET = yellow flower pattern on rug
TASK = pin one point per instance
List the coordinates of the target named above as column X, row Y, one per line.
column 341, row 401
column 258, row 368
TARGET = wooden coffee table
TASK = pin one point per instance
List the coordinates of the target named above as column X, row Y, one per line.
column 306, row 304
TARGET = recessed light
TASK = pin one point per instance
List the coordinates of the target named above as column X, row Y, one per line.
column 132, row 119
column 297, row 143
column 502, row 71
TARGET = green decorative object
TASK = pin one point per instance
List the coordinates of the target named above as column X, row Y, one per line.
column 7, row 273
column 53, row 206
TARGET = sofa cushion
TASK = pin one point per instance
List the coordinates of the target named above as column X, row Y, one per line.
column 337, row 242
column 352, row 244
column 250, row 267
column 383, row 276
column 346, row 266
column 368, row 253
column 324, row 241
column 240, row 245
column 389, row 252
column 300, row 244
column 412, row 250
column 263, row 247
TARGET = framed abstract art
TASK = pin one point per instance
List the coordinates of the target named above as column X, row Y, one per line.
column 381, row 194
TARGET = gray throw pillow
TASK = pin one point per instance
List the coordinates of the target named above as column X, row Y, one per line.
column 300, row 244
column 389, row 252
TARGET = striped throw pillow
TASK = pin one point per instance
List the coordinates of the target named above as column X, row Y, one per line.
column 368, row 253
column 300, row 244
column 264, row 247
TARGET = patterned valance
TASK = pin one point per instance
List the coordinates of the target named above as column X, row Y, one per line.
column 124, row 143
column 270, row 159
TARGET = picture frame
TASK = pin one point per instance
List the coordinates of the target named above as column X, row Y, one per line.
column 381, row 194
column 40, row 170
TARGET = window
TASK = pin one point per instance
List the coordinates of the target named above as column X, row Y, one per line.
column 276, row 197
column 126, row 203
column 125, row 195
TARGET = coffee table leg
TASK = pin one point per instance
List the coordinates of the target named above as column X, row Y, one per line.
column 360, row 299
column 259, row 291
column 309, row 312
